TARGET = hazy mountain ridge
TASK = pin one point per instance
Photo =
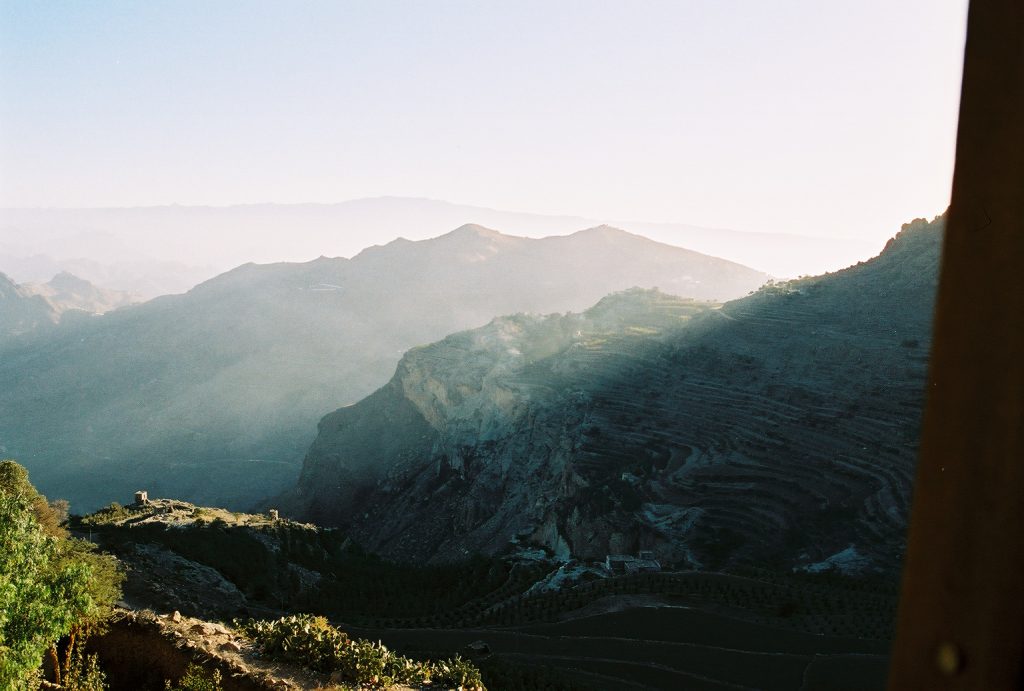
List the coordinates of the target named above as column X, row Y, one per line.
column 30, row 308
column 116, row 247
column 107, row 262
column 781, row 428
column 66, row 292
column 214, row 395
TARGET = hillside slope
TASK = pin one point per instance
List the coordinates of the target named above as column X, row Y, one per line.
column 779, row 429
column 214, row 395
column 66, row 292
column 21, row 311
column 31, row 308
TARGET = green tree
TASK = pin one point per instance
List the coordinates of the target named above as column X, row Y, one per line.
column 39, row 602
column 50, row 585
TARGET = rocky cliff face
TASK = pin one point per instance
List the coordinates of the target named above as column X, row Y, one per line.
column 779, row 428
column 475, row 436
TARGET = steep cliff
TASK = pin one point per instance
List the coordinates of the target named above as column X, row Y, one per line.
column 780, row 428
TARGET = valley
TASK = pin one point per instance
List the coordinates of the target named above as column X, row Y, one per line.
column 213, row 395
column 652, row 491
column 508, row 346
column 702, row 630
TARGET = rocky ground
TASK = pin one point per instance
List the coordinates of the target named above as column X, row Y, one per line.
column 142, row 647
column 143, row 535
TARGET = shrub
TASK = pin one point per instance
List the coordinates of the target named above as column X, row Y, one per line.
column 312, row 642
column 457, row 672
column 84, row 673
column 111, row 513
column 196, row 679
column 302, row 638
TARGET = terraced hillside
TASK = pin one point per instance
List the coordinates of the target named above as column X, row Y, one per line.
column 652, row 630
column 780, row 429
column 214, row 395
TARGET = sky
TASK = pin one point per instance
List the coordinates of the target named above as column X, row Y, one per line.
column 819, row 118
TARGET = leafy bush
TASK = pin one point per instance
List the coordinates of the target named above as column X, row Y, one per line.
column 312, row 642
column 457, row 672
column 303, row 638
column 84, row 673
column 111, row 513
column 197, row 679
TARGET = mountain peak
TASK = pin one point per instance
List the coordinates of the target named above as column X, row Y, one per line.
column 69, row 282
column 471, row 230
column 605, row 231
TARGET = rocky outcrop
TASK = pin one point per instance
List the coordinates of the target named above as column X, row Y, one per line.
column 142, row 650
column 781, row 428
column 486, row 419
column 206, row 561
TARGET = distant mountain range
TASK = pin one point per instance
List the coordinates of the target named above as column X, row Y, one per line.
column 152, row 251
column 779, row 430
column 31, row 307
column 66, row 292
column 213, row 395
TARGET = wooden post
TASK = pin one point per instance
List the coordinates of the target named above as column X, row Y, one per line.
column 961, row 616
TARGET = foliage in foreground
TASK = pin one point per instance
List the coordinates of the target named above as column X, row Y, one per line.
column 312, row 642
column 52, row 586
column 197, row 679
column 83, row 673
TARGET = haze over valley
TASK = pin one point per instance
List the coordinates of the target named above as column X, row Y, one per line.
column 214, row 395
column 483, row 346
column 553, row 404
column 515, row 411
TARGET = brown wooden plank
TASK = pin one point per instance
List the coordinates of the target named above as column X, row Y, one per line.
column 961, row 618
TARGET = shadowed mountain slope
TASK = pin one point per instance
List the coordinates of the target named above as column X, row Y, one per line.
column 213, row 395
column 21, row 311
column 781, row 428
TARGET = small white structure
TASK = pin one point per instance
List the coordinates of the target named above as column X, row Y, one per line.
column 274, row 515
column 142, row 497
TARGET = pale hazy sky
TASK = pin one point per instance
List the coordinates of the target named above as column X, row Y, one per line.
column 817, row 117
